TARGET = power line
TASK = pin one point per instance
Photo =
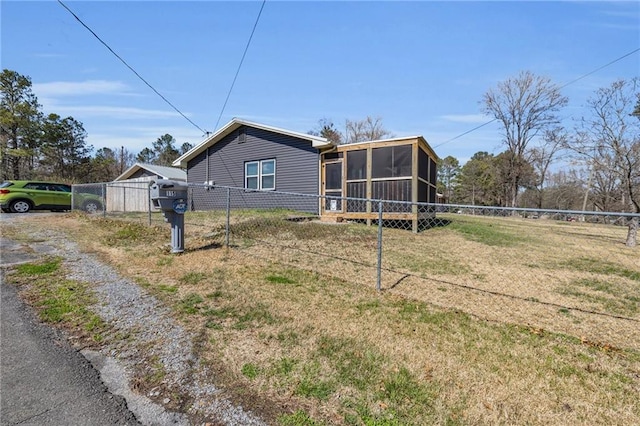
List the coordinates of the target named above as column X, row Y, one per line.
column 561, row 87
column 244, row 54
column 241, row 62
column 465, row 133
column 598, row 69
column 130, row 67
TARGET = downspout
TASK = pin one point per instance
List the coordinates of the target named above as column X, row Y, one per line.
column 206, row 178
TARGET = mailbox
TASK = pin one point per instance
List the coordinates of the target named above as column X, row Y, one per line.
column 170, row 197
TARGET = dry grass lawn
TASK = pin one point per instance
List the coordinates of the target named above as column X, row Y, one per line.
column 481, row 321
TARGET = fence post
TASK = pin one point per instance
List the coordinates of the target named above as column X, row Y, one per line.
column 149, row 203
column 227, row 228
column 378, row 283
column 104, row 199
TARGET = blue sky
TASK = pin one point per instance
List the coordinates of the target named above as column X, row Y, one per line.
column 421, row 66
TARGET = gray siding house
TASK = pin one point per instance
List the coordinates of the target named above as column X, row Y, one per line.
column 256, row 158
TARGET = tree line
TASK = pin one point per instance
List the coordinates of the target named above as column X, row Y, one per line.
column 34, row 145
column 597, row 163
column 593, row 166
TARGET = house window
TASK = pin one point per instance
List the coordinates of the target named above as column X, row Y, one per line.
column 260, row 175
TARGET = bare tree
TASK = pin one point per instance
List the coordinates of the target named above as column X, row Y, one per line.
column 541, row 157
column 610, row 139
column 524, row 106
column 368, row 129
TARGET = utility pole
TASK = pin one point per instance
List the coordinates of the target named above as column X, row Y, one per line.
column 121, row 159
column 586, row 193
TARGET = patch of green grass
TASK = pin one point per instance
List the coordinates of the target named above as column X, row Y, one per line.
column 488, row 233
column 46, row 267
column 170, row 289
column 254, row 317
column 142, row 282
column 157, row 371
column 355, row 364
column 213, row 325
column 613, row 295
column 288, row 338
column 423, row 313
column 190, row 304
column 284, row 366
column 368, row 305
column 620, row 305
column 279, row 279
column 599, row 266
column 214, row 295
column 223, row 312
column 59, row 300
column 250, row 370
column 407, row 397
column 124, row 234
column 298, row 418
column 387, row 393
column 313, row 387
column 598, row 285
column 192, row 278
column 165, row 261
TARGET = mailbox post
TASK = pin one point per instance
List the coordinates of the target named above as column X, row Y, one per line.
column 171, row 198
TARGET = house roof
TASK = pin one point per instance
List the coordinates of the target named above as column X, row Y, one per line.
column 164, row 172
column 381, row 141
column 233, row 125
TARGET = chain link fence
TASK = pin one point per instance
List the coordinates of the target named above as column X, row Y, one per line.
column 493, row 262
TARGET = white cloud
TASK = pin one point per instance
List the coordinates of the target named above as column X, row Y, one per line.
column 466, row 118
column 81, row 88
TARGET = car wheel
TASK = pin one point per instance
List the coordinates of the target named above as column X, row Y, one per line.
column 20, row 206
column 91, row 206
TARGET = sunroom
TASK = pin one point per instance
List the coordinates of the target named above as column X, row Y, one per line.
column 401, row 170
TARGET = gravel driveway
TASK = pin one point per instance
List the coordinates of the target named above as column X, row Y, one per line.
column 151, row 332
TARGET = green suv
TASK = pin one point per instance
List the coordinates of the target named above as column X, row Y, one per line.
column 21, row 196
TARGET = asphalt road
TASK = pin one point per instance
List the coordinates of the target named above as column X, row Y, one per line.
column 43, row 380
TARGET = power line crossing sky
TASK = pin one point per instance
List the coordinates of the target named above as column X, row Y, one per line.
column 421, row 66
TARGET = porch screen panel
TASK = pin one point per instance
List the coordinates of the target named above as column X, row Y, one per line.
column 333, row 176
column 357, row 164
column 423, row 165
column 423, row 192
column 433, row 172
column 391, row 162
column 333, row 186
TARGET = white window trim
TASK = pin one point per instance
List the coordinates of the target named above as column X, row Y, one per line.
column 260, row 175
